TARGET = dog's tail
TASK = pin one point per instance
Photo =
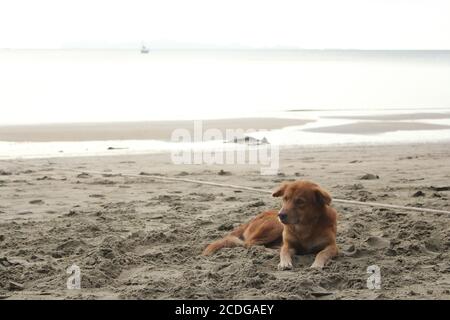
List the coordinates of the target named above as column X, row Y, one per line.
column 234, row 239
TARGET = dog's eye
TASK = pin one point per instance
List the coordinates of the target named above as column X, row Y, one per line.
column 299, row 202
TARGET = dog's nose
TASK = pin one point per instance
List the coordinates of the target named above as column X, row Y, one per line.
column 282, row 216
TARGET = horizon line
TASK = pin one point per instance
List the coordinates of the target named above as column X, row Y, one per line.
column 216, row 49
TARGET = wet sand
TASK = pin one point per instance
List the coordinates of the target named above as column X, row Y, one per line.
column 378, row 127
column 135, row 237
column 162, row 130
column 150, row 130
column 397, row 117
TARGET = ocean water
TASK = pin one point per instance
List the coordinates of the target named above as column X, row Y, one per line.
column 54, row 86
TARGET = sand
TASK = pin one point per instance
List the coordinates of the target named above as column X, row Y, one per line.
column 148, row 130
column 162, row 130
column 400, row 116
column 378, row 127
column 138, row 238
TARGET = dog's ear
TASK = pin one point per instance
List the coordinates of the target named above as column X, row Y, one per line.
column 280, row 191
column 322, row 197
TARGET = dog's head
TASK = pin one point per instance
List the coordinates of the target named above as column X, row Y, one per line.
column 302, row 201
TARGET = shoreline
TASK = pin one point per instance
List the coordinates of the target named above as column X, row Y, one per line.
column 143, row 130
column 119, row 152
column 151, row 137
column 162, row 129
column 318, row 148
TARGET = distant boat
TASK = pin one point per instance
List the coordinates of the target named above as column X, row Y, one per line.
column 144, row 49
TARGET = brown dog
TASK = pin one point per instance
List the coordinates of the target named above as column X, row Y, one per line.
column 305, row 224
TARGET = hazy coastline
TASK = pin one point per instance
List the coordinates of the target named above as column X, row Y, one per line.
column 314, row 128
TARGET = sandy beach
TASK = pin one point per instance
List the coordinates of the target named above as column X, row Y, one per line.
column 135, row 134
column 148, row 130
column 136, row 237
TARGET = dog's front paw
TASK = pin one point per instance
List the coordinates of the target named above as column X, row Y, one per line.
column 284, row 266
column 317, row 265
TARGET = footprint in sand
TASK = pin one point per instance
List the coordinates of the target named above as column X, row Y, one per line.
column 26, row 172
column 38, row 201
column 44, row 178
column 355, row 252
column 369, row 176
column 143, row 173
column 103, row 182
column 224, row 173
column 418, row 194
column 111, row 175
column 378, row 242
column 22, row 213
column 83, row 175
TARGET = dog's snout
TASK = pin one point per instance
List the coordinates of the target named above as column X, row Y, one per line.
column 282, row 216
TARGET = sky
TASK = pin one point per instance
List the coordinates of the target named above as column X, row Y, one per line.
column 314, row 24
